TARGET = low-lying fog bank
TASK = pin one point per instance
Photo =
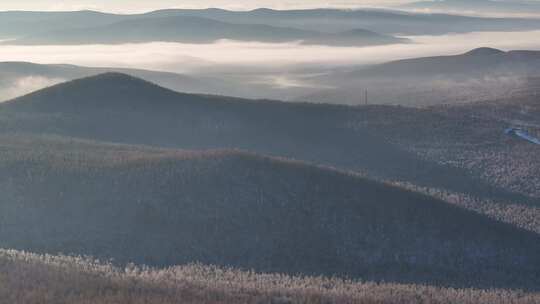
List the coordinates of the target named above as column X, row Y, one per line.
column 259, row 70
column 179, row 57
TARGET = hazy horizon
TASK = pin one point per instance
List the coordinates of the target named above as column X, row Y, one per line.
column 145, row 6
column 137, row 6
column 123, row 6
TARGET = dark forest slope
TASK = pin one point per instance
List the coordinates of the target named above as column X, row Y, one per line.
column 118, row 108
column 166, row 207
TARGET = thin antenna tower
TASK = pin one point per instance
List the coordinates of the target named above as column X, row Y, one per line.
column 366, row 97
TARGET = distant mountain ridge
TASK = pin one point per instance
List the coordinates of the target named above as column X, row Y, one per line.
column 480, row 60
column 480, row 74
column 386, row 21
column 18, row 25
column 193, row 29
column 479, row 6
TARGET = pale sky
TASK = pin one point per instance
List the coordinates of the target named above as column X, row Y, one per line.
column 147, row 5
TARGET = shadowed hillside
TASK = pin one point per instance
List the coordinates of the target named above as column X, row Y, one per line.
column 118, row 108
column 166, row 207
column 472, row 137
